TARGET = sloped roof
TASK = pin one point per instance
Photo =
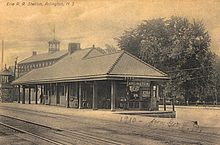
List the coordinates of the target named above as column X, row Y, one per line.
column 44, row 56
column 7, row 72
column 131, row 65
column 81, row 65
column 94, row 52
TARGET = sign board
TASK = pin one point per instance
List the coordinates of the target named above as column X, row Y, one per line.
column 139, row 83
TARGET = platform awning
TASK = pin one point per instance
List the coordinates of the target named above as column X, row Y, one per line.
column 82, row 66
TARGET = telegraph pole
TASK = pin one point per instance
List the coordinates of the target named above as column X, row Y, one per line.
column 54, row 32
column 2, row 61
column 15, row 68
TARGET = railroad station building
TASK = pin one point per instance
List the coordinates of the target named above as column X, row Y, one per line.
column 90, row 78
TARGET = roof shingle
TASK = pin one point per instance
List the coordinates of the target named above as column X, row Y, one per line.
column 44, row 56
column 77, row 66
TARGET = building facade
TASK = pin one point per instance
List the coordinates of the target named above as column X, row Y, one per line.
column 46, row 59
column 6, row 89
column 87, row 78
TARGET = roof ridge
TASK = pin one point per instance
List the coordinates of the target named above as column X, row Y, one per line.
column 30, row 57
column 145, row 63
column 116, row 61
column 88, row 52
column 102, row 55
column 62, row 52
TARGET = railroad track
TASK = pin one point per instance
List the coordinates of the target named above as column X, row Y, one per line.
column 29, row 133
column 52, row 135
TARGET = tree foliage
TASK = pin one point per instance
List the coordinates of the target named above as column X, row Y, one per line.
column 178, row 47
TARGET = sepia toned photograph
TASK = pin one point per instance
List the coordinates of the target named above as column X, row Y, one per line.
column 109, row 72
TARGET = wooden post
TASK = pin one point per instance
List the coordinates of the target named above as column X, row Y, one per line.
column 173, row 103
column 113, row 96
column 19, row 94
column 23, row 97
column 57, row 94
column 94, row 96
column 80, row 95
column 157, row 91
column 67, row 95
column 49, row 94
column 36, row 94
column 151, row 95
column 41, row 94
column 77, row 93
column 157, row 97
column 29, row 95
column 164, row 102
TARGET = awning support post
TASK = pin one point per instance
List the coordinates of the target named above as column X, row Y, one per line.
column 36, row 94
column 23, row 97
column 94, row 98
column 19, row 94
column 80, row 95
column 113, row 95
column 67, row 95
column 29, row 95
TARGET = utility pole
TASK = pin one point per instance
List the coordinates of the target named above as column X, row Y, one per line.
column 54, row 32
column 15, row 68
column 2, row 64
column 216, row 97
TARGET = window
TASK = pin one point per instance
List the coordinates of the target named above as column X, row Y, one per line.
column 19, row 68
column 4, row 79
column 27, row 68
column 22, row 68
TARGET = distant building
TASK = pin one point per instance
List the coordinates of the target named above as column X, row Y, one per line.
column 6, row 89
column 46, row 59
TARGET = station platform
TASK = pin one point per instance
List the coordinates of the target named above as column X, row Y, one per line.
column 205, row 117
column 160, row 114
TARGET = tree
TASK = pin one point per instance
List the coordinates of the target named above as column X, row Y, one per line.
column 178, row 47
column 110, row 49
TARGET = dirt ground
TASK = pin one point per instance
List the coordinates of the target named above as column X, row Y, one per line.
column 206, row 116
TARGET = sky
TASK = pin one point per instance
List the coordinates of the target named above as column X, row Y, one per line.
column 26, row 28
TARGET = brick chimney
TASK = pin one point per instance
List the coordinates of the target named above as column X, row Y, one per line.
column 73, row 47
column 34, row 53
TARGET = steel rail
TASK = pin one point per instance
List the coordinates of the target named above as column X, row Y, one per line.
column 29, row 133
column 79, row 134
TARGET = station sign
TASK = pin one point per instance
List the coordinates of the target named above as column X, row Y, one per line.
column 134, row 86
column 139, row 83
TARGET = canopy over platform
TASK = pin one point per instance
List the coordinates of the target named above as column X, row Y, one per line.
column 86, row 64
